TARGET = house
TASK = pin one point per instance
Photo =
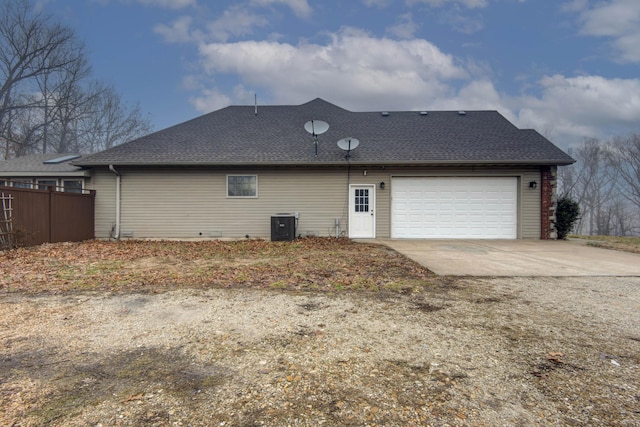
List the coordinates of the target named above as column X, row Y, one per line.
column 40, row 171
column 409, row 174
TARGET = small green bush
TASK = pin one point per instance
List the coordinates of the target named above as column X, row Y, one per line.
column 567, row 213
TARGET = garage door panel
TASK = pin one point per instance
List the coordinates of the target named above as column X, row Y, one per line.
column 454, row 207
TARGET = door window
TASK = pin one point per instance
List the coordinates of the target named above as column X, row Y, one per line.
column 361, row 202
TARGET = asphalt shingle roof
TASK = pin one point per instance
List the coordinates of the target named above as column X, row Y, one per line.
column 36, row 163
column 236, row 135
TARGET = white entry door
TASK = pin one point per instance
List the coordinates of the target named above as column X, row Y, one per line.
column 362, row 217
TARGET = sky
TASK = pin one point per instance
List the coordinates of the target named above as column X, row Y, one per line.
column 568, row 68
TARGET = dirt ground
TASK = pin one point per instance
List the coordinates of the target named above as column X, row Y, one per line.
column 457, row 351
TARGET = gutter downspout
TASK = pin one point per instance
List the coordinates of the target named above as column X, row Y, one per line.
column 116, row 234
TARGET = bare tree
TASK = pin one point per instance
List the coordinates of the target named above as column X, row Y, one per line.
column 605, row 181
column 22, row 134
column 31, row 45
column 62, row 102
column 589, row 183
column 47, row 101
column 624, row 158
column 111, row 122
column 625, row 220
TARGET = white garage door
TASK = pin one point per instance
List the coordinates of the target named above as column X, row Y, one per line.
column 454, row 208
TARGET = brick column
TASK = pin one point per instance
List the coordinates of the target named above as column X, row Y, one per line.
column 548, row 202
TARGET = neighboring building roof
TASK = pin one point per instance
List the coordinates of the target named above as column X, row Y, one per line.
column 52, row 164
column 275, row 135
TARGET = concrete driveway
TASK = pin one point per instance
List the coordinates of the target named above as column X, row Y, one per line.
column 516, row 257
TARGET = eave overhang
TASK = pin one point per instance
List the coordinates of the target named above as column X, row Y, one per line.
column 352, row 162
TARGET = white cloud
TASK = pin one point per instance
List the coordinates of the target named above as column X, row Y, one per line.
column 210, row 100
column 629, row 47
column 611, row 19
column 243, row 94
column 376, row 3
column 300, row 7
column 405, row 28
column 170, row 4
column 476, row 95
column 615, row 19
column 463, row 23
column 352, row 69
column 235, row 21
column 471, row 4
column 584, row 106
column 192, row 82
column 457, row 16
column 575, row 5
column 177, row 32
column 361, row 72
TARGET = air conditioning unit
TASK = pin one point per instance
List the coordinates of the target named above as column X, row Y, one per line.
column 283, row 227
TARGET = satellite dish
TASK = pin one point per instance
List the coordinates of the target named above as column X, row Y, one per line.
column 348, row 144
column 316, row 127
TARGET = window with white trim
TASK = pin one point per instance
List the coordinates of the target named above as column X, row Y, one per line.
column 242, row 186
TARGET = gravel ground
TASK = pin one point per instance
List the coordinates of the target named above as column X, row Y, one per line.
column 486, row 352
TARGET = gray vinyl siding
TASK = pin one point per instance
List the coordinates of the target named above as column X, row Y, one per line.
column 104, row 182
column 530, row 205
column 192, row 203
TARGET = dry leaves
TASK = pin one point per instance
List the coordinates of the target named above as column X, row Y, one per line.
column 310, row 263
column 555, row 357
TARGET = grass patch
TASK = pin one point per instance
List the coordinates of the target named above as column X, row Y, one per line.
column 619, row 243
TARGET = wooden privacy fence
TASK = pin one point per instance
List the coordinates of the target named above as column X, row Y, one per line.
column 31, row 217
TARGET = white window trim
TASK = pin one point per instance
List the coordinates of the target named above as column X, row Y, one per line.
column 226, row 188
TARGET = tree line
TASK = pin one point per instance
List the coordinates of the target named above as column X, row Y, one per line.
column 48, row 100
column 605, row 182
